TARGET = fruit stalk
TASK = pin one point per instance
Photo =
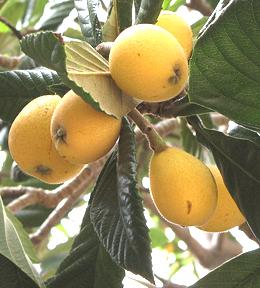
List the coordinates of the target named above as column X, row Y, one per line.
column 156, row 142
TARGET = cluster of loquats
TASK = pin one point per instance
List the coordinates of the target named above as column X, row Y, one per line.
column 52, row 138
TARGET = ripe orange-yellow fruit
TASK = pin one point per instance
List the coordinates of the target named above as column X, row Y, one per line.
column 227, row 215
column 148, row 63
column 182, row 187
column 82, row 134
column 178, row 27
column 31, row 146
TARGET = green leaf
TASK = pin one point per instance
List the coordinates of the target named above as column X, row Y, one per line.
column 225, row 65
column 88, row 264
column 11, row 246
column 197, row 26
column 123, row 14
column 12, row 277
column 242, row 271
column 19, row 87
column 149, row 11
column 213, row 3
column 88, row 20
column 53, row 258
column 24, row 237
column 84, row 21
column 48, row 49
column 54, row 14
column 237, row 158
column 189, row 141
column 116, row 210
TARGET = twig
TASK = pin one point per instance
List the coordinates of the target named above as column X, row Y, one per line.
column 155, row 140
column 16, row 32
column 48, row 198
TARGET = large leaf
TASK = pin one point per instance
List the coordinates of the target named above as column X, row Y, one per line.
column 88, row 264
column 19, row 87
column 23, row 236
column 54, row 13
column 81, row 68
column 123, row 13
column 149, row 11
column 238, row 159
column 116, row 210
column 242, row 271
column 12, row 277
column 225, row 65
column 11, row 247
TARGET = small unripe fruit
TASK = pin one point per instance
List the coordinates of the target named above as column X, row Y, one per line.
column 31, row 146
column 182, row 187
column 227, row 215
column 82, row 134
column 148, row 63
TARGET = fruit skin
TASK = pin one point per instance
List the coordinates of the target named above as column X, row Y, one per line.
column 178, row 27
column 31, row 146
column 182, row 187
column 227, row 215
column 82, row 134
column 148, row 63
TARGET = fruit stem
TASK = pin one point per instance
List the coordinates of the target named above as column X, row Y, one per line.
column 156, row 142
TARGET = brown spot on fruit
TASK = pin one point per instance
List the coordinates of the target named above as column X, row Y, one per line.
column 189, row 206
column 43, row 170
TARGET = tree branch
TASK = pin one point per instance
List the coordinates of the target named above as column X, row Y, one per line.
column 9, row 62
column 75, row 189
column 49, row 198
column 16, row 32
column 155, row 140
